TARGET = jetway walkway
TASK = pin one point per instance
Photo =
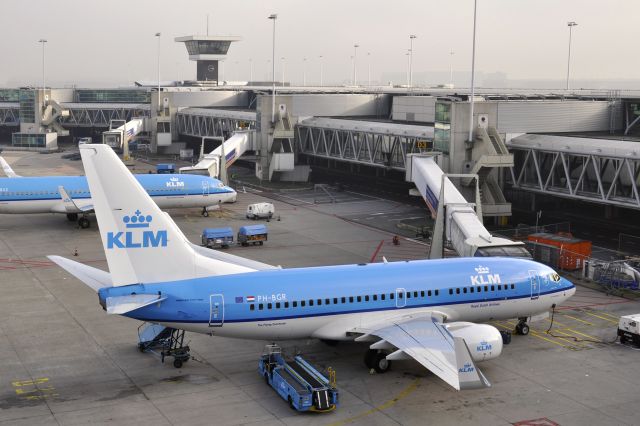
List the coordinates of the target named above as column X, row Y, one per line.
column 458, row 221
column 9, row 113
column 220, row 159
column 603, row 171
column 199, row 122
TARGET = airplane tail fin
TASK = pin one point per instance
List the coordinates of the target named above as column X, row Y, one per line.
column 142, row 244
column 7, row 169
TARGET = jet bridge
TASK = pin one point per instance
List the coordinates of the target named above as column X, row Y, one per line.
column 212, row 164
column 457, row 221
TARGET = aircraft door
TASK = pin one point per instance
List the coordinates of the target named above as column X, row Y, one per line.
column 535, row 284
column 216, row 310
column 401, row 298
column 205, row 188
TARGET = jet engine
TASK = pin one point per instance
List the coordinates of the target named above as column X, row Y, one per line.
column 484, row 341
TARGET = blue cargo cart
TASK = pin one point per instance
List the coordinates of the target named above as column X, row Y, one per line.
column 252, row 234
column 297, row 382
column 166, row 168
column 217, row 237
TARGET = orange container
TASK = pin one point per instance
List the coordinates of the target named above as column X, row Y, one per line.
column 571, row 252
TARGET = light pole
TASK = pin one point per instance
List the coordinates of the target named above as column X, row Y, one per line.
column 368, row 68
column 570, row 25
column 304, row 72
column 408, row 55
column 158, row 35
column 473, row 69
column 321, row 70
column 411, row 38
column 42, row 41
column 355, row 57
column 451, row 67
column 282, row 71
column 250, row 70
column 273, row 17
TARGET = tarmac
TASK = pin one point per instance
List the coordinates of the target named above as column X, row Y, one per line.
column 65, row 361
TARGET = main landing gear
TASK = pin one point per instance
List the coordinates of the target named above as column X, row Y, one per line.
column 377, row 360
column 205, row 213
column 83, row 222
column 522, row 328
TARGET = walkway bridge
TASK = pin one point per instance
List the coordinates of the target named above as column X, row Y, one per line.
column 199, row 122
column 603, row 171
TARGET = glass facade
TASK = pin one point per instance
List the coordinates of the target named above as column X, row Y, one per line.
column 207, row 47
column 29, row 140
column 9, row 95
column 132, row 96
column 442, row 128
column 27, row 106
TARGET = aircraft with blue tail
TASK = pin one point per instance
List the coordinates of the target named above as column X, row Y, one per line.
column 430, row 311
column 70, row 195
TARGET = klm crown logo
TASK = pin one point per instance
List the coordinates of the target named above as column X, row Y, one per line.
column 482, row 269
column 483, row 276
column 137, row 237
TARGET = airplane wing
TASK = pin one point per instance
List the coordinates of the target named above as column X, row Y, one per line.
column 7, row 169
column 426, row 340
column 71, row 206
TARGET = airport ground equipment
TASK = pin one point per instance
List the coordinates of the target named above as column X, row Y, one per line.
column 166, row 168
column 561, row 251
column 260, row 211
column 297, row 382
column 252, row 234
column 457, row 221
column 629, row 329
column 217, row 237
column 164, row 342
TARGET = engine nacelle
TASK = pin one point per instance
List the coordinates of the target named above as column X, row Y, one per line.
column 484, row 341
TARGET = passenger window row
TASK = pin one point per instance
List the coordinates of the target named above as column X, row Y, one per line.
column 341, row 300
column 479, row 289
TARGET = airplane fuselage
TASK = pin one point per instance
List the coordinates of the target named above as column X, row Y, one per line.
column 326, row 302
column 26, row 195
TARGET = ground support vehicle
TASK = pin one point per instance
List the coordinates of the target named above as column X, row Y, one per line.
column 260, row 211
column 629, row 329
column 297, row 382
column 217, row 237
column 252, row 234
column 164, row 342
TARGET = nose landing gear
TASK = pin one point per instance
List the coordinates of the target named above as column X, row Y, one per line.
column 522, row 328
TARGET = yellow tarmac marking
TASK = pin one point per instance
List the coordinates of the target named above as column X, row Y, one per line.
column 585, row 335
column 533, row 333
column 569, row 336
column 601, row 317
column 30, row 389
column 577, row 319
column 408, row 390
column 609, row 315
column 555, row 322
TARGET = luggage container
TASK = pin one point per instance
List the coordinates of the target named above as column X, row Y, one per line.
column 252, row 234
column 166, row 168
column 217, row 237
column 562, row 251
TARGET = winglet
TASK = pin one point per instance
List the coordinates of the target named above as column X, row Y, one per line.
column 468, row 374
column 7, row 169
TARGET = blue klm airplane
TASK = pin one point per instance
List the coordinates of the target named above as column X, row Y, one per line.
column 70, row 195
column 423, row 310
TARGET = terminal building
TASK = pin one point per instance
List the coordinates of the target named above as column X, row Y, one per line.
column 561, row 143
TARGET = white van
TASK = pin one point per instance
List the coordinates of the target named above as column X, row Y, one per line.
column 260, row 211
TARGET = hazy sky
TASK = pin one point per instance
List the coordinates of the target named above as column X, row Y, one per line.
column 112, row 42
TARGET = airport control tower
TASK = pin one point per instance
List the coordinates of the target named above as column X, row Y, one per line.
column 207, row 51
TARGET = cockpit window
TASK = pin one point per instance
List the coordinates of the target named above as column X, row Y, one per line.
column 221, row 185
column 554, row 277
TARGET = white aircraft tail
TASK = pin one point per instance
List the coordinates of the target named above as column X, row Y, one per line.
column 142, row 244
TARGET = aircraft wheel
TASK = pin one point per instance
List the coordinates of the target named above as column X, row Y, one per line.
column 205, row 213
column 72, row 217
column 177, row 363
column 380, row 363
column 84, row 223
column 522, row 329
column 290, row 402
column 369, row 356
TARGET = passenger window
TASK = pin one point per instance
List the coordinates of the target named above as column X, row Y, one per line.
column 493, row 288
column 437, row 292
column 310, row 302
column 429, row 293
column 457, row 291
column 303, row 303
column 260, row 307
column 252, row 307
column 422, row 293
column 408, row 295
column 335, row 300
column 350, row 299
column 286, row 304
column 277, row 305
column 359, row 298
column 464, row 290
column 383, row 296
column 450, row 291
column 366, row 298
column 499, row 287
column 343, row 300
column 295, row 303
column 471, row 289
column 393, row 296
column 319, row 302
column 327, row 301
column 513, row 286
column 375, row 297
column 269, row 306
column 486, row 288
column 479, row 289
column 415, row 294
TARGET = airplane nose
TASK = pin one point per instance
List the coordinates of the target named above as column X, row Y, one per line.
column 569, row 286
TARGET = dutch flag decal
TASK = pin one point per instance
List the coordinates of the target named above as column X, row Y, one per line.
column 251, row 299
